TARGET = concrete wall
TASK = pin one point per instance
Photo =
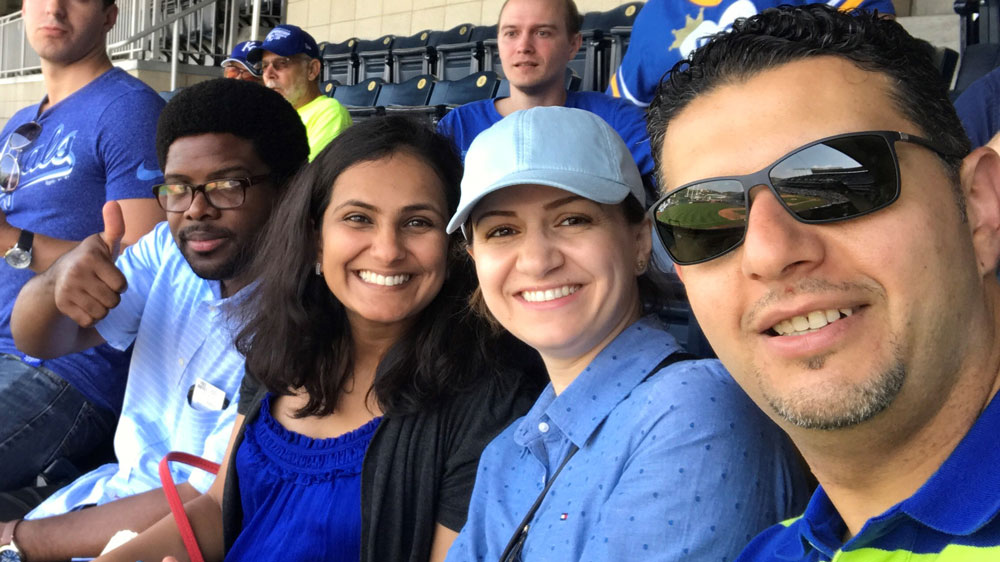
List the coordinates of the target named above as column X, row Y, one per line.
column 337, row 20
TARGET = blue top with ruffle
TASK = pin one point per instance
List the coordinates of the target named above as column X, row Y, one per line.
column 301, row 496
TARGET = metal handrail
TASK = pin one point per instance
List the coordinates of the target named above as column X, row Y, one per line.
column 168, row 22
column 141, row 32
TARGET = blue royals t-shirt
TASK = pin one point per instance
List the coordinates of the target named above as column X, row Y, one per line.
column 97, row 145
column 666, row 31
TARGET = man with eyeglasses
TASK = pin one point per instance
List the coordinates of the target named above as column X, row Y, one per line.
column 237, row 66
column 290, row 64
column 167, row 296
column 844, row 271
column 88, row 141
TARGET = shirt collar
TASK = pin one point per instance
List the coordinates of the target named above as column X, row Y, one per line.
column 581, row 408
column 820, row 528
column 972, row 505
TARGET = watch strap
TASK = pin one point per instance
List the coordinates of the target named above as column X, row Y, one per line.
column 7, row 534
column 25, row 240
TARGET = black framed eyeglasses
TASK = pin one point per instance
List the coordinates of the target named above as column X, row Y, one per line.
column 227, row 193
column 832, row 179
column 10, row 166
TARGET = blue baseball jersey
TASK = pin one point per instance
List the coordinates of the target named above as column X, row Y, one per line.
column 666, row 31
column 96, row 145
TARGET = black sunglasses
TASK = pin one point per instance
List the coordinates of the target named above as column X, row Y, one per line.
column 10, row 167
column 833, row 179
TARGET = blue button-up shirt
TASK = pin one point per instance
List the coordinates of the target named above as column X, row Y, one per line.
column 181, row 333
column 677, row 466
column 951, row 518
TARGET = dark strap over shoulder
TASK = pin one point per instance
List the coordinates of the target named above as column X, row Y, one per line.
column 669, row 360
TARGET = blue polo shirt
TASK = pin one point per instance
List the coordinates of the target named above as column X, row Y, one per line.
column 677, row 466
column 951, row 518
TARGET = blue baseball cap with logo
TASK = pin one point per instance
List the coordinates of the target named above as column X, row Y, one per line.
column 285, row 40
column 239, row 56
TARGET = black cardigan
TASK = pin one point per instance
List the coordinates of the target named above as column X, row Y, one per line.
column 419, row 469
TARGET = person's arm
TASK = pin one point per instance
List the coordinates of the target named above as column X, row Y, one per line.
column 86, row 532
column 55, row 312
column 204, row 512
column 443, row 537
column 141, row 215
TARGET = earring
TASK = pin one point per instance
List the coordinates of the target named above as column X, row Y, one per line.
column 640, row 266
column 319, row 269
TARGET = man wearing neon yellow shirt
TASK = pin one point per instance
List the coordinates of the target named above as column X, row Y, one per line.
column 290, row 65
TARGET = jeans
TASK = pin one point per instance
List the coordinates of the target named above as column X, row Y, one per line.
column 44, row 422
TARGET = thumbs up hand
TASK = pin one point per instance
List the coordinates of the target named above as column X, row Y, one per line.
column 87, row 282
column 114, row 228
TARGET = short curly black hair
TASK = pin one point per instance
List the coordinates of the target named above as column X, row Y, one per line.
column 777, row 36
column 244, row 109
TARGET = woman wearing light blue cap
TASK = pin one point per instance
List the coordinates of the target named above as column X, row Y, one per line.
column 635, row 451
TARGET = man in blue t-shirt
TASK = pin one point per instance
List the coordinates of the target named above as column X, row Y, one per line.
column 666, row 31
column 845, row 271
column 537, row 39
column 89, row 141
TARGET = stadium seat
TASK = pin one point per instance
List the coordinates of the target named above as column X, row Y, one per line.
column 620, row 34
column 362, row 94
column 474, row 87
column 340, row 62
column 328, row 87
column 414, row 92
column 461, row 58
column 413, row 55
column 374, row 58
column 979, row 40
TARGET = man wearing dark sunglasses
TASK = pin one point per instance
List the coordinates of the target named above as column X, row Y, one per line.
column 166, row 295
column 844, row 273
column 88, row 141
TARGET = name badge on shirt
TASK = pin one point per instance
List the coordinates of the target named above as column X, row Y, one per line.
column 206, row 395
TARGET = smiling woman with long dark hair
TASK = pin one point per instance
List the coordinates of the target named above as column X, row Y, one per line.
column 371, row 390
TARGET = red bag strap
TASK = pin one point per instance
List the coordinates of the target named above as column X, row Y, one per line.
column 174, row 498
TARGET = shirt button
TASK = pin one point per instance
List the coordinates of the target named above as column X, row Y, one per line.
column 543, row 427
column 180, row 362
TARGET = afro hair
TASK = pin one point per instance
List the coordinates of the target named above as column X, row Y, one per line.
column 244, row 109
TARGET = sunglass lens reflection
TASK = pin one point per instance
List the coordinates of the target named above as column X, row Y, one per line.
column 703, row 220
column 839, row 179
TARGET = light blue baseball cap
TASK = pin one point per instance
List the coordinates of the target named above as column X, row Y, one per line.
column 571, row 149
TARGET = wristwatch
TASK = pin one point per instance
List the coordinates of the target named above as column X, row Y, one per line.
column 19, row 257
column 8, row 550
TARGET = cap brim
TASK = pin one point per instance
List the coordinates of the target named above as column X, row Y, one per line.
column 242, row 63
column 587, row 186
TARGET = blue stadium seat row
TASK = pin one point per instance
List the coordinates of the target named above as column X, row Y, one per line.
column 467, row 49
